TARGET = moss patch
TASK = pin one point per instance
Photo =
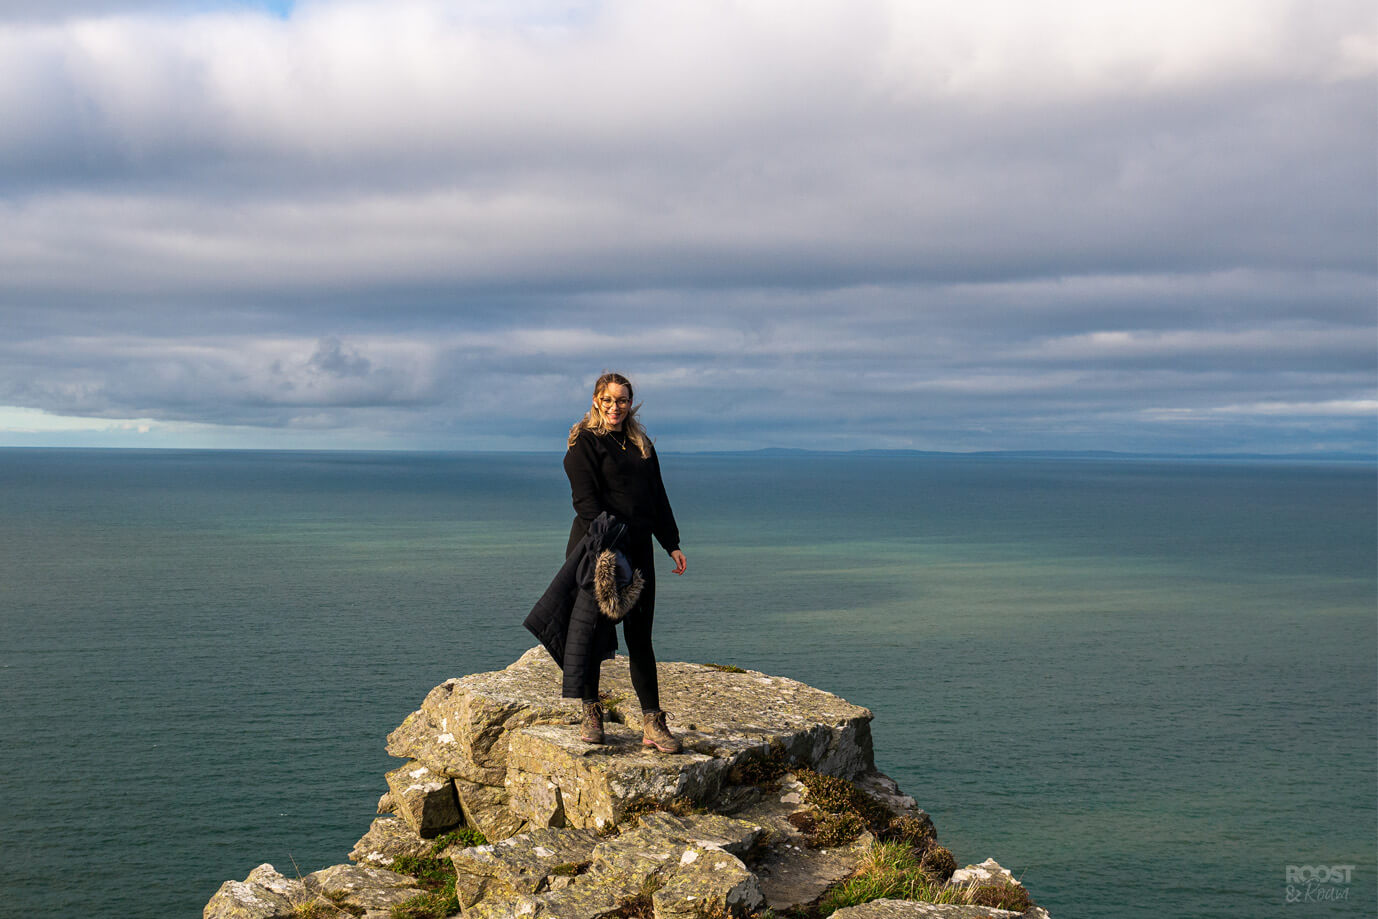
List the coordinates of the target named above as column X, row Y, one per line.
column 1001, row 896
column 570, row 869
column 836, row 830
column 680, row 807
column 760, row 768
column 915, row 832
column 841, row 811
column 938, row 863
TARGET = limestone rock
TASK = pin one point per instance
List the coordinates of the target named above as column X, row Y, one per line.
column 573, row 873
column 270, row 878
column 524, row 864
column 264, row 894
column 361, row 887
column 387, row 839
column 597, row 784
column 344, row 879
column 880, row 786
column 425, row 799
column 791, row 874
column 485, row 808
column 536, row 797
column 733, row 712
column 460, row 729
column 707, row 879
column 595, row 897
column 637, row 855
column 243, row 900
column 737, row 837
column 988, row 872
column 657, row 844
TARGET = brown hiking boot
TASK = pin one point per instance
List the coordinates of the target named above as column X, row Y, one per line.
column 592, row 724
column 654, row 733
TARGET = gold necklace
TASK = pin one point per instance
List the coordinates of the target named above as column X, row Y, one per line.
column 621, row 443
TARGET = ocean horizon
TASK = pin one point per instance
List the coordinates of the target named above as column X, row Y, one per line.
column 1146, row 684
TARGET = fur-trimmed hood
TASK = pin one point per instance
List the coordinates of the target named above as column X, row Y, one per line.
column 616, row 584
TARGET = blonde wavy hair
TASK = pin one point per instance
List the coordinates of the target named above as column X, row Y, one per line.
column 594, row 421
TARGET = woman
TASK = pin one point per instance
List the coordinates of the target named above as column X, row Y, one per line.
column 612, row 468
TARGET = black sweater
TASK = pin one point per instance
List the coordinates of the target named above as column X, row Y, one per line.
column 603, row 476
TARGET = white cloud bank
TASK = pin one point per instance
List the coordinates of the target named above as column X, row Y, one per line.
column 1047, row 221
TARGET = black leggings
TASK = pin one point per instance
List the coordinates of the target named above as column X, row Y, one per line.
column 636, row 629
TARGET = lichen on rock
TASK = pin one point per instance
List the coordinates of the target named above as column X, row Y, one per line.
column 424, row 799
column 388, row 839
column 343, row 889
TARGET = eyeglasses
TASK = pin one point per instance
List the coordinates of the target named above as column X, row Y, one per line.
column 609, row 403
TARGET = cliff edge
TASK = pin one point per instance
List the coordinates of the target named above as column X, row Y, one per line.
column 774, row 808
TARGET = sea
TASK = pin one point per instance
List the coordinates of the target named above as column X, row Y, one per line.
column 1146, row 686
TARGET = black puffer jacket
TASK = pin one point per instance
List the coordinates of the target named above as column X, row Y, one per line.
column 593, row 589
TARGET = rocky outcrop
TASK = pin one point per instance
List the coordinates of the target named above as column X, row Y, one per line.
column 580, row 831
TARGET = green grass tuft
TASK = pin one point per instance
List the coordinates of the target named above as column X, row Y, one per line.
column 465, row 837
column 315, row 909
column 430, row 872
column 886, row 857
column 437, row 878
column 896, row 871
column 430, row 905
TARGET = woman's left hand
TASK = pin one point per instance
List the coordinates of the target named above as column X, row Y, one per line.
column 680, row 561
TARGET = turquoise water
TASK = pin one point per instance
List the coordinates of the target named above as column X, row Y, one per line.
column 1148, row 687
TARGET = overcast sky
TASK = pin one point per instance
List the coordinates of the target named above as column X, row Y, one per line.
column 855, row 224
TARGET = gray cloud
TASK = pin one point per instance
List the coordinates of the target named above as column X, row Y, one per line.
column 842, row 224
